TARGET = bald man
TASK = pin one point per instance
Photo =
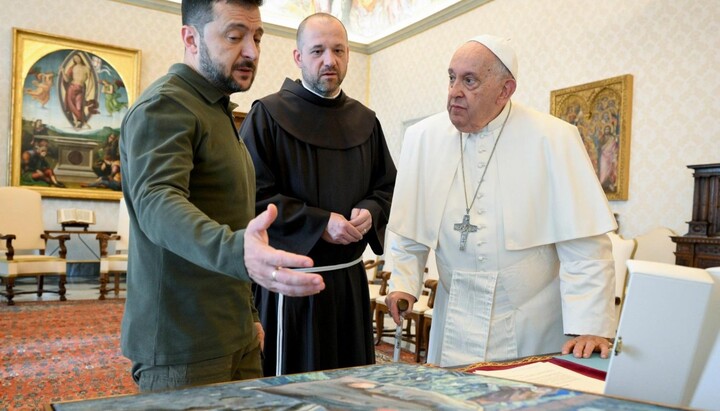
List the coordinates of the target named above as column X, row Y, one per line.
column 321, row 157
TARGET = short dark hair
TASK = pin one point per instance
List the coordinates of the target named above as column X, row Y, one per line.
column 198, row 13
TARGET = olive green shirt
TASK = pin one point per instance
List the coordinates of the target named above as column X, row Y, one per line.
column 189, row 185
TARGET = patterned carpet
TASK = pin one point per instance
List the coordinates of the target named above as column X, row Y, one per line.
column 384, row 354
column 63, row 351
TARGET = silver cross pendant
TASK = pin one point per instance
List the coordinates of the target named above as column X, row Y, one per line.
column 464, row 228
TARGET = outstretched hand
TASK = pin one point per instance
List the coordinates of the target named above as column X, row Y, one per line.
column 583, row 346
column 266, row 265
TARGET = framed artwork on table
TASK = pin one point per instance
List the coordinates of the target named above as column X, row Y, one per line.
column 68, row 100
column 602, row 112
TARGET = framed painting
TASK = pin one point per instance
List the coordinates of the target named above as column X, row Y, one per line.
column 602, row 112
column 68, row 100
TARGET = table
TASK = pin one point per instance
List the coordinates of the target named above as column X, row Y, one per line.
column 80, row 231
column 396, row 386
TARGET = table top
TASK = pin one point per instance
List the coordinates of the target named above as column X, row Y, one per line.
column 79, row 231
column 397, row 386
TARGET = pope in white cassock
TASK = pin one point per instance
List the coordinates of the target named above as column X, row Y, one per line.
column 505, row 196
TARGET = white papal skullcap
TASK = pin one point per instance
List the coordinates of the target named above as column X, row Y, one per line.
column 501, row 48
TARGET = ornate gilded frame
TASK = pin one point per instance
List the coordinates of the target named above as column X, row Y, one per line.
column 602, row 111
column 68, row 99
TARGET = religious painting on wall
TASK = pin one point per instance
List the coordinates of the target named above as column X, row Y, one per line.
column 602, row 112
column 69, row 97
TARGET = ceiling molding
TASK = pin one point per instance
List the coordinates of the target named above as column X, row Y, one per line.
column 433, row 20
column 161, row 5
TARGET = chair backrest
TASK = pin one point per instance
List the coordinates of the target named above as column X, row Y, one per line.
column 622, row 250
column 373, row 268
column 21, row 214
column 123, row 228
column 656, row 245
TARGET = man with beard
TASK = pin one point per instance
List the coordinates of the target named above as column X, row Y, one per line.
column 321, row 157
column 189, row 186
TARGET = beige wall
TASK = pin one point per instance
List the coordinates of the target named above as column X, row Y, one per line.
column 157, row 35
column 669, row 46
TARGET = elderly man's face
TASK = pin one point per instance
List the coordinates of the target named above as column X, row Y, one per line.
column 474, row 89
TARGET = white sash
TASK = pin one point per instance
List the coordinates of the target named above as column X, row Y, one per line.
column 469, row 311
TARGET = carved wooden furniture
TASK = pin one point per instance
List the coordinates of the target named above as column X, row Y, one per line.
column 372, row 268
column 23, row 243
column 700, row 247
column 115, row 264
column 380, row 308
column 415, row 315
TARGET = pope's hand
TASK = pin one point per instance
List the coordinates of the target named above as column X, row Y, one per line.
column 391, row 301
column 583, row 346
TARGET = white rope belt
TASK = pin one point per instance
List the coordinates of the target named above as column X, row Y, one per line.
column 279, row 345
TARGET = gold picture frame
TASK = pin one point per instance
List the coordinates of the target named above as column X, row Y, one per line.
column 68, row 99
column 602, row 112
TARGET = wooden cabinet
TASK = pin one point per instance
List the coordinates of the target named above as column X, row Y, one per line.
column 700, row 252
column 238, row 117
column 700, row 247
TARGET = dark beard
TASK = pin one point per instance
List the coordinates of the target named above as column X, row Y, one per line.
column 319, row 86
column 215, row 72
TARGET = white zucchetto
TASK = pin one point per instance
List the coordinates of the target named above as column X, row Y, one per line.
column 501, row 48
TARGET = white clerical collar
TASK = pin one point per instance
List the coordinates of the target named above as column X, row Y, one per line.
column 318, row 94
column 495, row 123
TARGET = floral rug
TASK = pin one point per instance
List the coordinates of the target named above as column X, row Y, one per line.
column 55, row 351
column 61, row 351
column 384, row 354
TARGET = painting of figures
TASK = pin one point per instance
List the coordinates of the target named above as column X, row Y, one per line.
column 68, row 106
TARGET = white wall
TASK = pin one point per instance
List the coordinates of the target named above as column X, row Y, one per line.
column 669, row 46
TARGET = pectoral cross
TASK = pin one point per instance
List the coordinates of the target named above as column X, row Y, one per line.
column 464, row 228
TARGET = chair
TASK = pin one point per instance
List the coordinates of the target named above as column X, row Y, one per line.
column 622, row 250
column 656, row 245
column 424, row 332
column 115, row 264
column 373, row 265
column 379, row 308
column 24, row 243
column 372, row 268
column 415, row 315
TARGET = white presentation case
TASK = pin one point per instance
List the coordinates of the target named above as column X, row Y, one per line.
column 659, row 333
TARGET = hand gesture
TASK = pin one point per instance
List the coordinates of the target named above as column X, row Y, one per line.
column 265, row 265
